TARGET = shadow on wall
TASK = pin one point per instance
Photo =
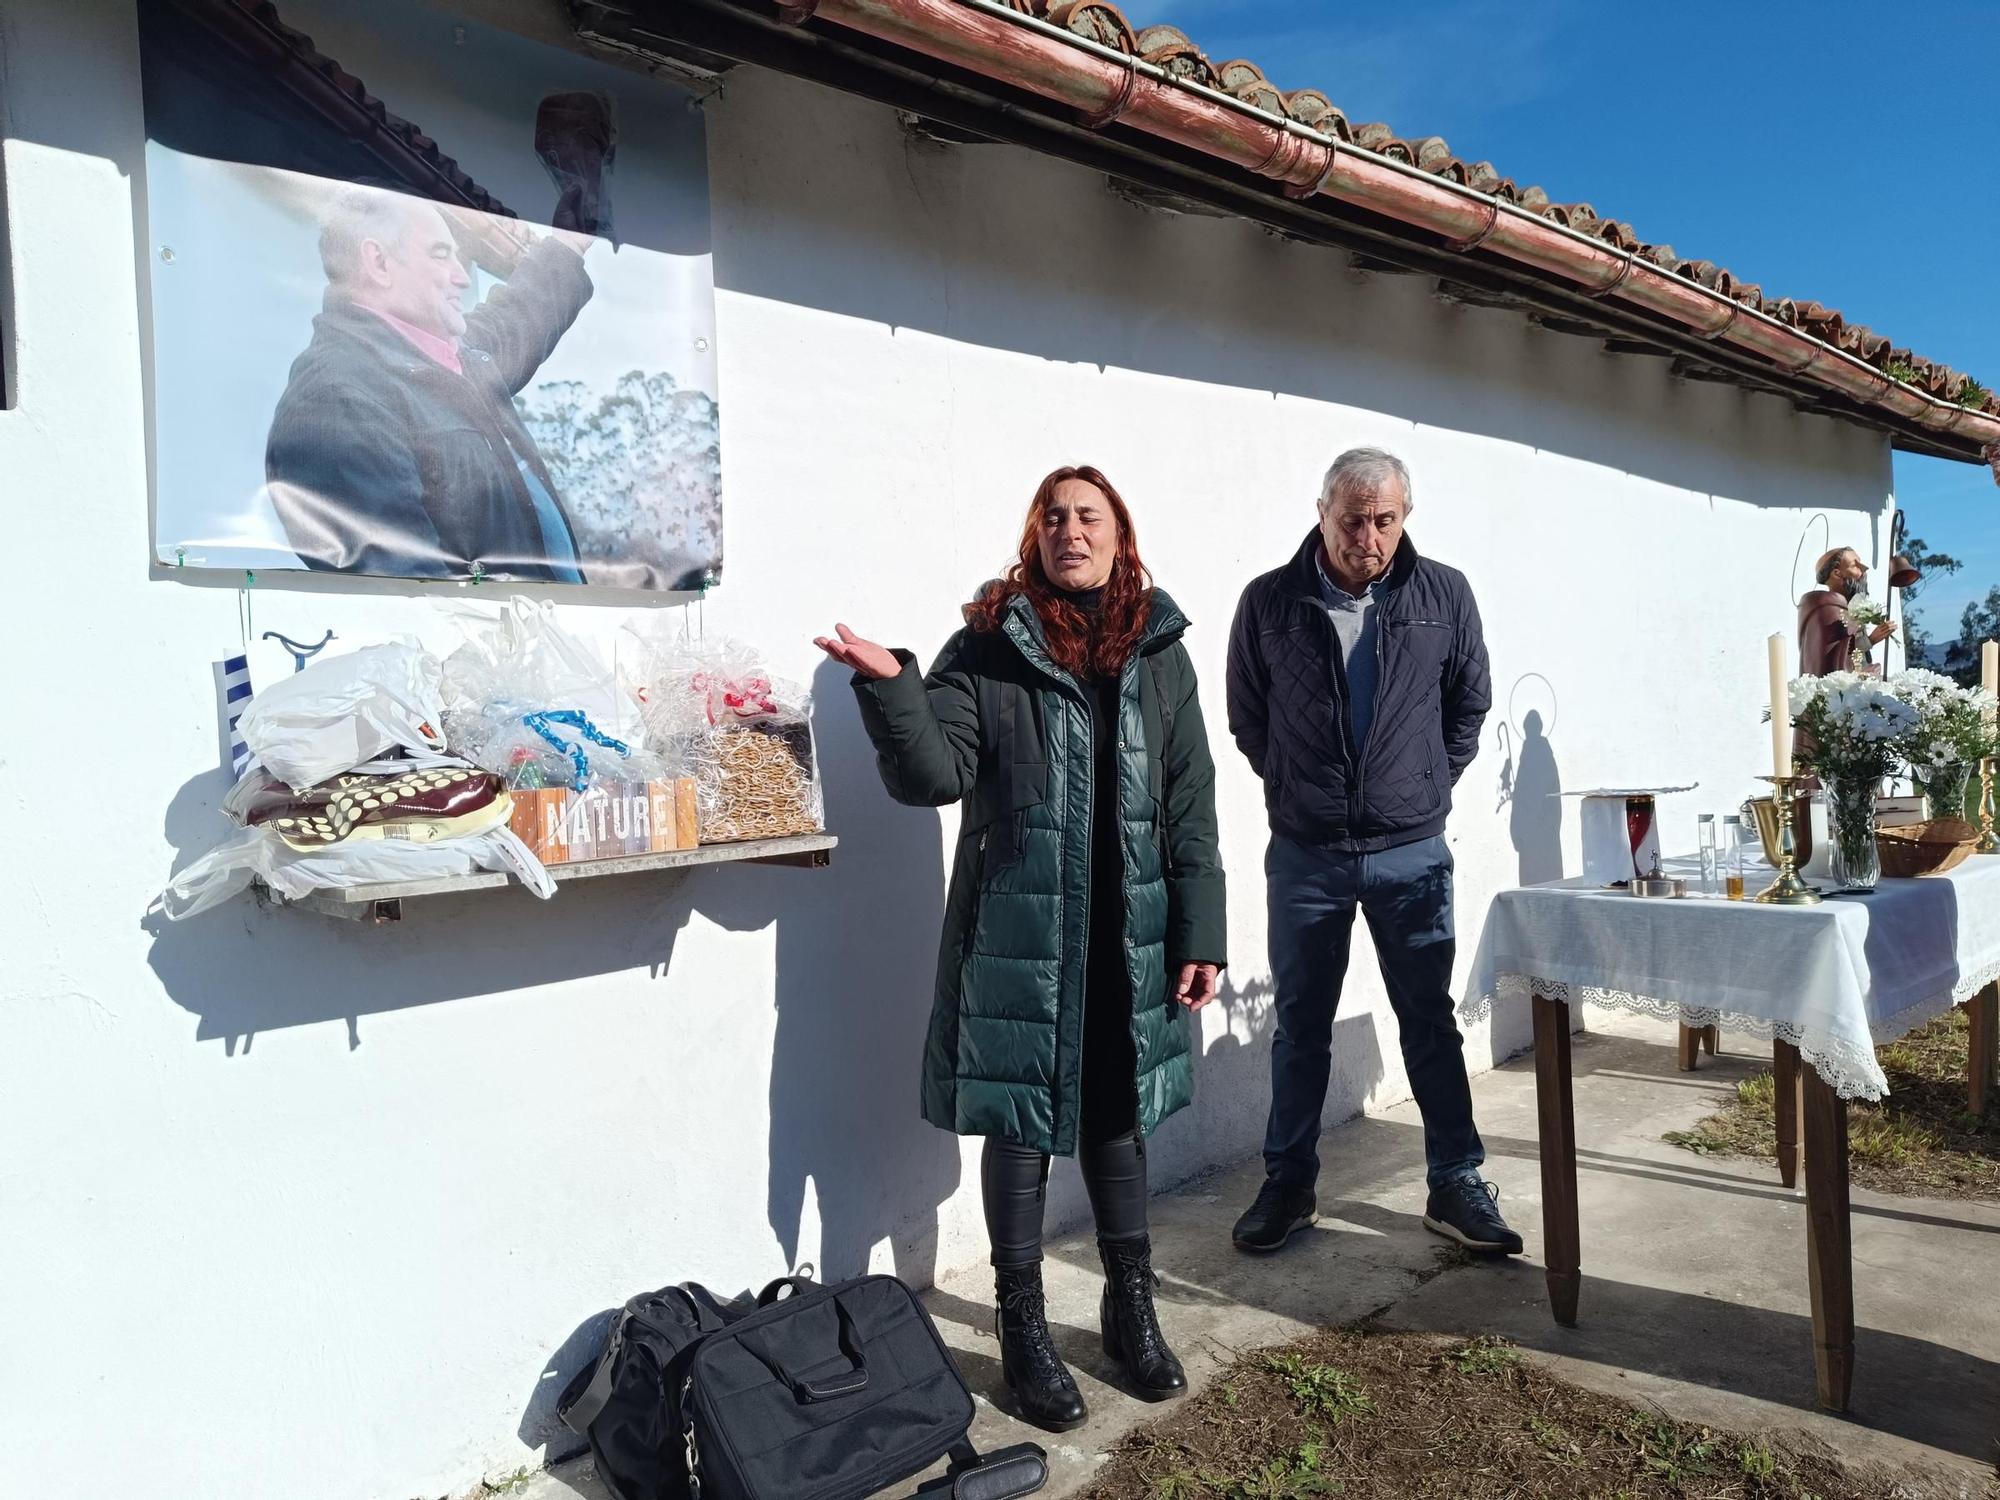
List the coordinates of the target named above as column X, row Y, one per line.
column 939, row 242
column 1530, row 781
column 239, row 968
column 856, row 965
column 1232, row 1096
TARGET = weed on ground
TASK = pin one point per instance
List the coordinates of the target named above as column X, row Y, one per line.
column 1370, row 1416
column 1921, row 1139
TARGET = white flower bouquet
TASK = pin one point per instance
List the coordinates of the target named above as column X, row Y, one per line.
column 1850, row 730
column 1852, row 725
column 1862, row 615
column 1953, row 728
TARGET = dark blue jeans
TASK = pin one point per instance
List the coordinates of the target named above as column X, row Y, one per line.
column 1406, row 895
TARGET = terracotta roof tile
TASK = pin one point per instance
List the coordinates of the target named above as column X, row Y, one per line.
column 1171, row 49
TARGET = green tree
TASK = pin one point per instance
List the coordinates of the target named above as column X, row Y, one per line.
column 1980, row 623
column 1930, row 564
column 640, row 470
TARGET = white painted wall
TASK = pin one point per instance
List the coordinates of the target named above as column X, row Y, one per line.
column 297, row 1208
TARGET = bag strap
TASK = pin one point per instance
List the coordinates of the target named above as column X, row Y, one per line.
column 590, row 1403
column 709, row 1312
column 799, row 1286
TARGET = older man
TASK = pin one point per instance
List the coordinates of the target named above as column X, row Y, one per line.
column 1826, row 641
column 396, row 448
column 1357, row 686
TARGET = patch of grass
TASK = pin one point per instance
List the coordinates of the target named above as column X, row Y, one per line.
column 1921, row 1139
column 1322, row 1390
column 1484, row 1356
column 1372, row 1415
column 1756, row 1461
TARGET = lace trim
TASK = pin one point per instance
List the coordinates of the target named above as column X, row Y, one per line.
column 1849, row 1066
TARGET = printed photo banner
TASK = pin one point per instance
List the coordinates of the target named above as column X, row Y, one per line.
column 468, row 334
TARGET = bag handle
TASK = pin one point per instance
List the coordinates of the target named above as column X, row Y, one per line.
column 829, row 1388
column 590, row 1404
column 798, row 1285
column 800, row 1281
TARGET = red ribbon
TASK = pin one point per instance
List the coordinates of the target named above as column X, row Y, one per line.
column 731, row 697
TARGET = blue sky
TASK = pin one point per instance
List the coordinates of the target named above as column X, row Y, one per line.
column 1841, row 151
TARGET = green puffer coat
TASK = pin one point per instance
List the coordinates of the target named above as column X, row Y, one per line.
column 999, row 726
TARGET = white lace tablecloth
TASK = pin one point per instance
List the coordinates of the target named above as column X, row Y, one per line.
column 1832, row 979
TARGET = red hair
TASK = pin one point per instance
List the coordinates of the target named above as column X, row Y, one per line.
column 1079, row 642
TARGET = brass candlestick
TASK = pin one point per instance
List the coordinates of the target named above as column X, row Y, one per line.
column 1787, row 889
column 1988, row 843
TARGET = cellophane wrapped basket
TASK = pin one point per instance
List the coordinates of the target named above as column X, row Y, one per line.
column 713, row 709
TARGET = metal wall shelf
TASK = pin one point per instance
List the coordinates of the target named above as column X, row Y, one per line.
column 383, row 901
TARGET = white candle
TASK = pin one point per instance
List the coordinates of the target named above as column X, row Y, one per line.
column 1989, row 669
column 1781, row 708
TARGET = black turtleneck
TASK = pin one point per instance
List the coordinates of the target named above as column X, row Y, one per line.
column 1110, row 1094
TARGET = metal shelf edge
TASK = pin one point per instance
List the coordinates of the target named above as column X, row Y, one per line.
column 810, row 851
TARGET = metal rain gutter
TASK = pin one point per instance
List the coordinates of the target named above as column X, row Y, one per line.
column 1107, row 86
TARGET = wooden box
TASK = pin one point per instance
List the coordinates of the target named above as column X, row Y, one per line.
column 612, row 818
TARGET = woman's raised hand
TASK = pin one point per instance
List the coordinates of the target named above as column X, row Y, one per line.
column 867, row 658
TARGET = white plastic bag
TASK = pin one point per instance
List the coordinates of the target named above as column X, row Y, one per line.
column 259, row 854
column 523, row 662
column 344, row 710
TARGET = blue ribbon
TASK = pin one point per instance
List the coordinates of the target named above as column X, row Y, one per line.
column 573, row 718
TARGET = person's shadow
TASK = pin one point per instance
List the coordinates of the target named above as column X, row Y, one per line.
column 1534, row 818
column 857, row 965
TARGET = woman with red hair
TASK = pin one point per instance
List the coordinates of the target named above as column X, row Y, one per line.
column 1086, row 915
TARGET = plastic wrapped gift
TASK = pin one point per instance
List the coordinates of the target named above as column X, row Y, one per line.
column 1621, row 831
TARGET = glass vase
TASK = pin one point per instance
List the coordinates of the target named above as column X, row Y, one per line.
column 1945, row 787
column 1850, row 831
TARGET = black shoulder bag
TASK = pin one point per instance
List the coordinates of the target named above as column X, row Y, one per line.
column 806, row 1392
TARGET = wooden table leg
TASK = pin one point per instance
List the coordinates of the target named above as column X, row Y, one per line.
column 1829, row 1241
column 1688, row 1047
column 1561, row 1249
column 1982, row 1069
column 1711, row 1038
column 1785, row 1073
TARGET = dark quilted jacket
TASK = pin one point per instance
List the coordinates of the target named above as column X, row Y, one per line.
column 999, row 727
column 1288, row 703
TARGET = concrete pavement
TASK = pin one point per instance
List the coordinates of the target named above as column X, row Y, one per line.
column 1694, row 1295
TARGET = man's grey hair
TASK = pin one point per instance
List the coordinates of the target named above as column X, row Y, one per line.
column 1365, row 471
column 358, row 213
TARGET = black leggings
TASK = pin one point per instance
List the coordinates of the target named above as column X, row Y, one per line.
column 1013, row 1181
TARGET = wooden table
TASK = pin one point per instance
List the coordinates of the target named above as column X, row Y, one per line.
column 1830, row 980
column 1982, row 1070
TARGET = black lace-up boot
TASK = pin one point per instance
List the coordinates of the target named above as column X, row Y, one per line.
column 1131, row 1328
column 1042, row 1385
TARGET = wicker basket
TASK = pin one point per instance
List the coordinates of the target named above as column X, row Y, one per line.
column 1925, row 848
